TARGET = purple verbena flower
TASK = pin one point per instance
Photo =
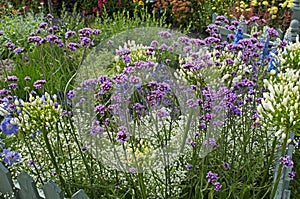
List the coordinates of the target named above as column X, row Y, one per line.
column 123, row 51
column 96, row 129
column 226, row 166
column 162, row 113
column 272, row 32
column 165, row 34
column 9, row 45
column 217, row 186
column 100, row 109
column 106, row 86
column 13, row 86
column 189, row 167
column 96, row 31
column 292, row 175
column 43, row 25
column 85, row 41
column 163, row 47
column 12, row 78
column 184, row 40
column 71, row 94
column 286, row 161
column 18, row 50
column 30, row 163
column 85, row 32
column 51, row 38
column 122, row 135
column 72, row 46
column 27, row 78
column 211, row 177
column 69, row 34
column 38, row 84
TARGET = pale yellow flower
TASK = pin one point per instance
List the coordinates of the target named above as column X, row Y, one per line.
column 265, row 3
column 254, row 3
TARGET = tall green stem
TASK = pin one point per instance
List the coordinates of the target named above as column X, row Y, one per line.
column 53, row 160
column 283, row 149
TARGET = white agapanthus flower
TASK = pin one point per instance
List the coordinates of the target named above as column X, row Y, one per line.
column 280, row 104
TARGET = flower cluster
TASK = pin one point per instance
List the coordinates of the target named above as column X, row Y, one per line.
column 280, row 103
column 51, row 35
column 38, row 113
column 212, row 178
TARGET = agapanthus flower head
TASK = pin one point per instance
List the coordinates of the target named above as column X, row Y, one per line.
column 10, row 157
column 8, row 126
column 1, row 32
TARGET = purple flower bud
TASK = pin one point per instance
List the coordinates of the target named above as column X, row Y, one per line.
column 18, row 50
column 189, row 167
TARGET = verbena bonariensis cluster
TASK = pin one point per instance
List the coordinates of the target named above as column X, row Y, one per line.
column 52, row 53
column 205, row 122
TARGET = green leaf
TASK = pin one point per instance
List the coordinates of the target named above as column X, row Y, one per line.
column 211, row 194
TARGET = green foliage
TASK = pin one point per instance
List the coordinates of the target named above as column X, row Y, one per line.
column 16, row 29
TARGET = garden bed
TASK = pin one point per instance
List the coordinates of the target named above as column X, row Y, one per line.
column 126, row 107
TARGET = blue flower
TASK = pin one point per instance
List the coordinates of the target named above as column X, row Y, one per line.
column 239, row 33
column 265, row 51
column 7, row 127
column 10, row 157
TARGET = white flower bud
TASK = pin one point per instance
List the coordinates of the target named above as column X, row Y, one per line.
column 291, row 116
column 259, row 109
column 278, row 133
column 283, row 136
column 295, row 89
column 271, row 89
column 284, row 101
column 273, row 72
column 226, row 76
